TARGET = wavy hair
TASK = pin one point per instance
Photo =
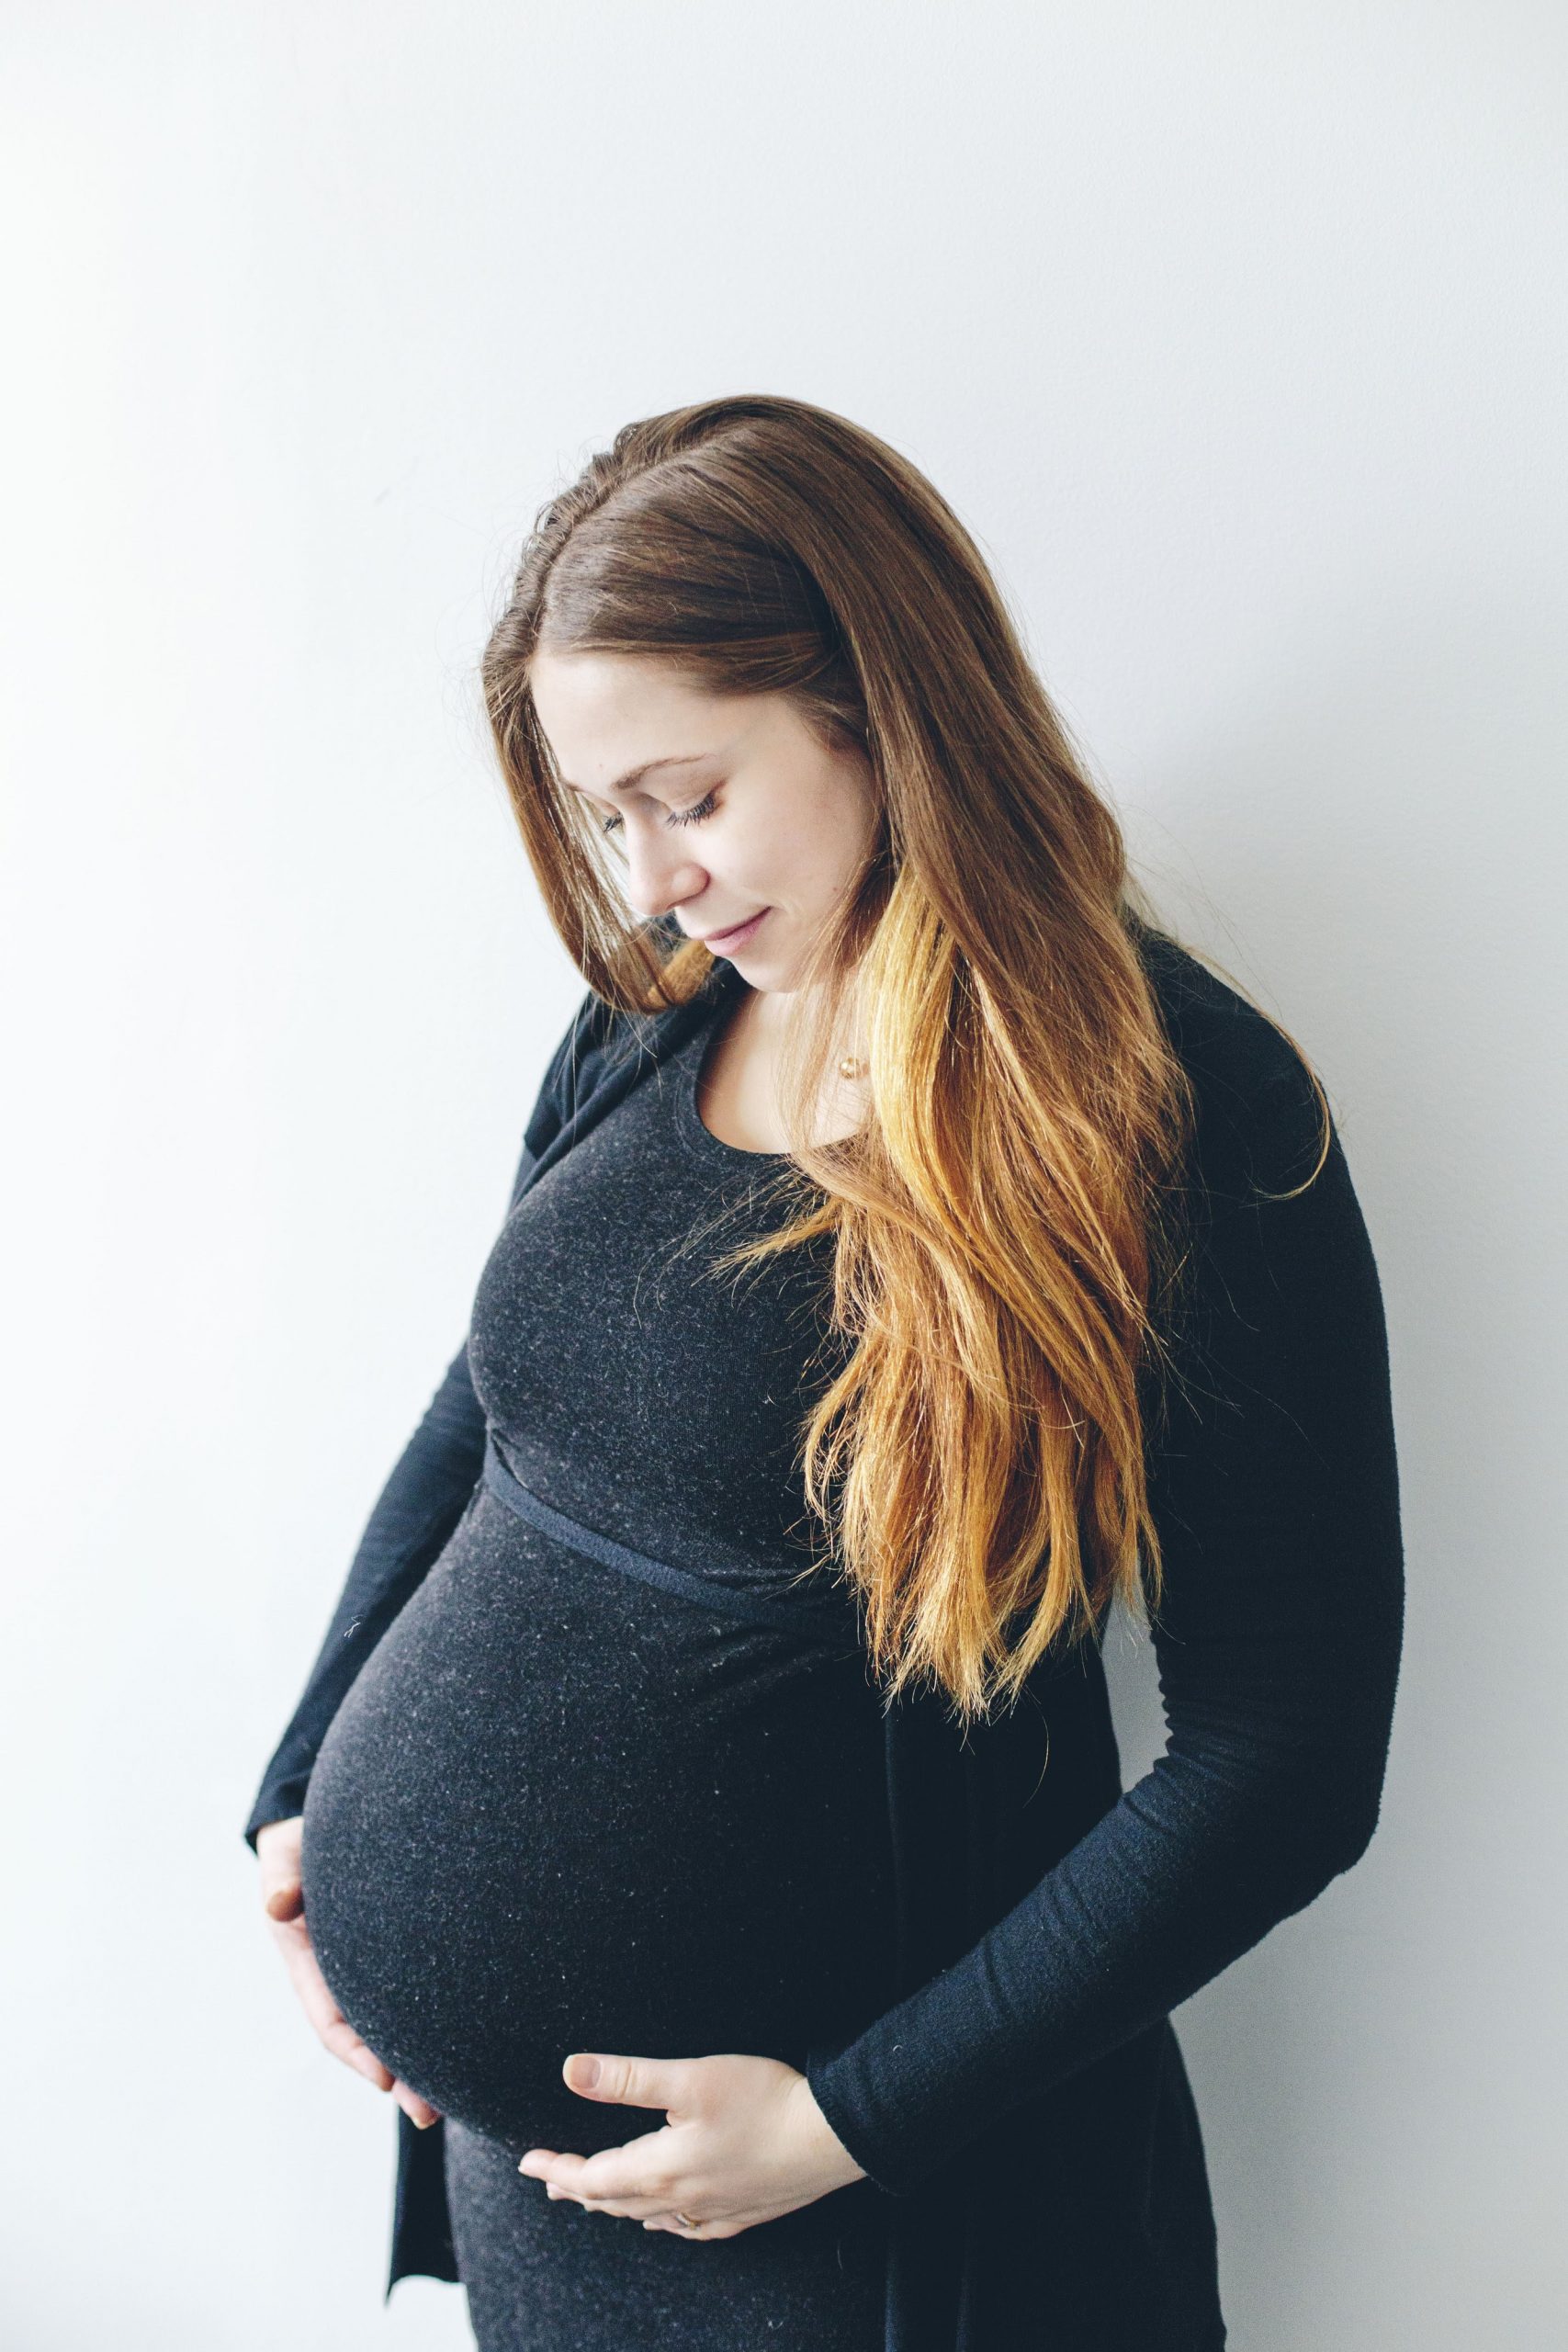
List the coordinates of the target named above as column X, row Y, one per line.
column 1007, row 1246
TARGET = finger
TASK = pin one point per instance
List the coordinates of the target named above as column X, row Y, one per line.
column 626, row 2082
column 639, row 2171
column 331, row 2028
column 346, row 2044
column 418, row 2111
column 277, row 1852
column 555, row 2171
column 630, row 2208
column 704, row 2232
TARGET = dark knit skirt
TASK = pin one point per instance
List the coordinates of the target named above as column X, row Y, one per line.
column 541, row 2276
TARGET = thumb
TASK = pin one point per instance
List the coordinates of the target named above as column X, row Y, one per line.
column 624, row 2081
column 284, row 1900
column 282, row 1889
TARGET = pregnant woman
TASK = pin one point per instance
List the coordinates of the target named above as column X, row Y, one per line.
column 703, row 1814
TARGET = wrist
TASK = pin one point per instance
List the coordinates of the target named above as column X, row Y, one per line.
column 828, row 2154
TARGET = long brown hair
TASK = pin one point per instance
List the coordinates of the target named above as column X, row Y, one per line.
column 1007, row 1252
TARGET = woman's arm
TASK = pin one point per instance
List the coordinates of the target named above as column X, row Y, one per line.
column 418, row 1508
column 422, row 1499
column 1277, row 1641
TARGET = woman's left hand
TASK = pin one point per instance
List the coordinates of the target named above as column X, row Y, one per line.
column 744, row 2141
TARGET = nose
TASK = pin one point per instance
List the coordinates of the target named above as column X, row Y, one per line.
column 660, row 875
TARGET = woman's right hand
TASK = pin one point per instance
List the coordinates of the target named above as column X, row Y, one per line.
column 283, row 1900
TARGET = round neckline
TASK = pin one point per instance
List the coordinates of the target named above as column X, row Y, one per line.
column 689, row 1120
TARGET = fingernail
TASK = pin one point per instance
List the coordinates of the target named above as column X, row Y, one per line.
column 582, row 2073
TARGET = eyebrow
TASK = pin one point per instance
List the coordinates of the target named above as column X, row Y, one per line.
column 634, row 775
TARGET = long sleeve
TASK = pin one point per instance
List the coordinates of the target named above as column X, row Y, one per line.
column 422, row 1499
column 1274, row 1489
column 419, row 1507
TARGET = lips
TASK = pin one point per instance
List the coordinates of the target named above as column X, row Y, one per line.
column 722, row 940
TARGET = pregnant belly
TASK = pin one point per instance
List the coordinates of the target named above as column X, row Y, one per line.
column 560, row 1810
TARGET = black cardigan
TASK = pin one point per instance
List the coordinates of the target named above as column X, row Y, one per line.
column 1021, row 2099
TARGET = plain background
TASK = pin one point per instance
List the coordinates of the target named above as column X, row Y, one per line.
column 1235, row 332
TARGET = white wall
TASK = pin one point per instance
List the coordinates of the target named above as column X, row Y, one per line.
column 1231, row 330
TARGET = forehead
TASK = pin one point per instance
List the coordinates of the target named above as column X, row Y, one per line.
column 602, row 713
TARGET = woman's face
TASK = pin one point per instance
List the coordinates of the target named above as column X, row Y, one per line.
column 726, row 806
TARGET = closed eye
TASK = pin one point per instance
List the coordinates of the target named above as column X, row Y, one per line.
column 693, row 816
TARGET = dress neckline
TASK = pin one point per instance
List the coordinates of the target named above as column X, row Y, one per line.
column 689, row 1119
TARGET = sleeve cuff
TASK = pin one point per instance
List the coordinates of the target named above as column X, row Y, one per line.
column 827, row 2089
column 280, row 1800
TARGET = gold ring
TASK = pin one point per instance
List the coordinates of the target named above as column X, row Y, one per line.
column 686, row 2221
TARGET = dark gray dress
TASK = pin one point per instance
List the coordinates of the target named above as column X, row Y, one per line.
column 565, row 1806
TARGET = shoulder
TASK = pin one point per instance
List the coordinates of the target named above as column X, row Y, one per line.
column 1273, row 1369
column 1259, row 1116
column 1230, row 1050
column 601, row 1037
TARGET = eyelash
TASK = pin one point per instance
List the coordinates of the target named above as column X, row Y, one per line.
column 705, row 808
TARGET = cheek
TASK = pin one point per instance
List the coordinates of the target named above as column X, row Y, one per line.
column 842, row 832
column 779, row 861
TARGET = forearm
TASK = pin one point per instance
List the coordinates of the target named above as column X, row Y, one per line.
column 1242, row 1823
column 1274, row 1486
column 419, row 1507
